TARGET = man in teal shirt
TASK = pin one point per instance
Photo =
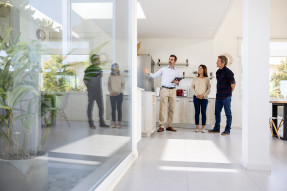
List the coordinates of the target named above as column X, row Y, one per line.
column 93, row 81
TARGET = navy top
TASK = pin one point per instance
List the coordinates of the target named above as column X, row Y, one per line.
column 225, row 78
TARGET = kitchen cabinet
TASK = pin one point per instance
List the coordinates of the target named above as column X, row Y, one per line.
column 76, row 109
column 138, row 114
column 184, row 111
column 148, row 112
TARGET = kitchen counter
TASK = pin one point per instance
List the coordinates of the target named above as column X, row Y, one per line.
column 185, row 97
column 184, row 110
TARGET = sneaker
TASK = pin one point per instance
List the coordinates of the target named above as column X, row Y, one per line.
column 92, row 126
column 213, row 131
column 225, row 133
column 104, row 125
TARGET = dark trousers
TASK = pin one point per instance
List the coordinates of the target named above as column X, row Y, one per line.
column 99, row 100
column 219, row 104
column 95, row 93
column 116, row 103
column 200, row 104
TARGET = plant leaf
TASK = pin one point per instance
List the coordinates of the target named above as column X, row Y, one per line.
column 23, row 116
column 4, row 107
column 5, row 38
column 19, row 93
column 5, row 135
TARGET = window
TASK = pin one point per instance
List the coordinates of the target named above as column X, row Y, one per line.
column 278, row 69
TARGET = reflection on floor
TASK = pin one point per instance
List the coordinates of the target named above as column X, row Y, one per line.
column 77, row 151
column 187, row 161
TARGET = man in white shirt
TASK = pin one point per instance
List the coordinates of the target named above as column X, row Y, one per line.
column 167, row 92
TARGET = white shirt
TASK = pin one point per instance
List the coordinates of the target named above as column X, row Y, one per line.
column 168, row 74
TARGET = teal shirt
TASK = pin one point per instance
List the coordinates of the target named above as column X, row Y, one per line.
column 92, row 71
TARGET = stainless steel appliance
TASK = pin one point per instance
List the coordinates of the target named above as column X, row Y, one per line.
column 145, row 81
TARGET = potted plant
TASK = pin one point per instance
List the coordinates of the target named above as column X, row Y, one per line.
column 22, row 166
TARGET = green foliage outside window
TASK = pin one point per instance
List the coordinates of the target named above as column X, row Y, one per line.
column 56, row 75
column 276, row 77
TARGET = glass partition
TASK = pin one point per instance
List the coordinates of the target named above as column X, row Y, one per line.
column 65, row 92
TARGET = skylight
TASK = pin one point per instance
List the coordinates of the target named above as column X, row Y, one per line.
column 140, row 13
column 94, row 10
column 100, row 10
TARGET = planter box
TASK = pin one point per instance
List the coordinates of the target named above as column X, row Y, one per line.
column 24, row 175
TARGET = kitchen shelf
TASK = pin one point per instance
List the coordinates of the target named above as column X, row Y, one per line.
column 177, row 64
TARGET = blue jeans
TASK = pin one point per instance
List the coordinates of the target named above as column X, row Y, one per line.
column 116, row 103
column 200, row 103
column 219, row 104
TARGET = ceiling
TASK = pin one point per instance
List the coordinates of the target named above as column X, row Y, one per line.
column 182, row 18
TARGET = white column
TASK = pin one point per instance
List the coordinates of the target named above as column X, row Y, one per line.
column 255, row 132
column 66, row 29
column 125, row 54
column 133, row 68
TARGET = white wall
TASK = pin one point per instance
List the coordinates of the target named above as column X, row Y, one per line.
column 278, row 24
column 205, row 51
column 197, row 51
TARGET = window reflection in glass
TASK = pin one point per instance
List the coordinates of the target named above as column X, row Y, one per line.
column 67, row 115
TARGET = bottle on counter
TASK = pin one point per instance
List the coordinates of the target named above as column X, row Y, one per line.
column 188, row 91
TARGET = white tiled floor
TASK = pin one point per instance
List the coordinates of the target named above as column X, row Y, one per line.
column 185, row 161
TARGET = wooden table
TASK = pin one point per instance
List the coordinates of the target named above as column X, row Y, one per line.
column 275, row 104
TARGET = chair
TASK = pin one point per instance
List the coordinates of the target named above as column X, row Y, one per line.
column 272, row 124
column 62, row 102
column 53, row 105
column 48, row 109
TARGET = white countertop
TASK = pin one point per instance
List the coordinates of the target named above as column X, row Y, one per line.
column 185, row 97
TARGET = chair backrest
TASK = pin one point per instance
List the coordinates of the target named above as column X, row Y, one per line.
column 63, row 101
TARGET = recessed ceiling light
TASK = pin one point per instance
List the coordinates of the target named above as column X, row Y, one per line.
column 100, row 10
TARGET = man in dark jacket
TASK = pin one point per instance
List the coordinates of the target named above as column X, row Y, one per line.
column 225, row 87
column 93, row 81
